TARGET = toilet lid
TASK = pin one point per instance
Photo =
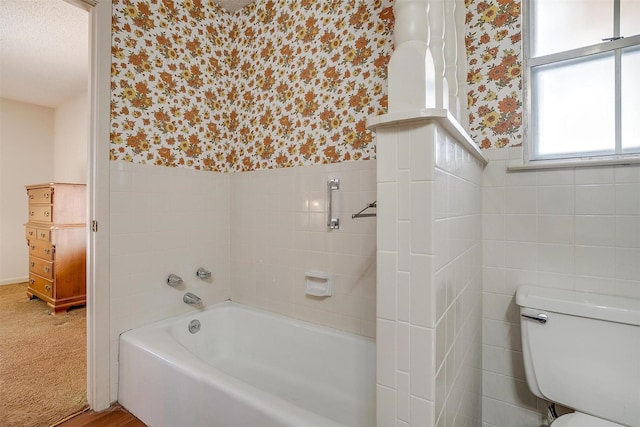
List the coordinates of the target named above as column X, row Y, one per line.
column 578, row 419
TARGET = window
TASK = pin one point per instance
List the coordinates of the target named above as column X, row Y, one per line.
column 582, row 78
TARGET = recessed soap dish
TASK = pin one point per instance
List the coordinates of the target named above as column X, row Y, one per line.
column 319, row 283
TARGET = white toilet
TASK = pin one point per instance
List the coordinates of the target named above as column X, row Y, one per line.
column 582, row 351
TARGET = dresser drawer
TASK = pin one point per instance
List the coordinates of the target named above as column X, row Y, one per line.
column 42, row 234
column 31, row 233
column 40, row 213
column 41, row 267
column 41, row 285
column 40, row 195
column 40, row 249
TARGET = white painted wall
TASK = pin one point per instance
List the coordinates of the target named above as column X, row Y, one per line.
column 576, row 228
column 26, row 149
column 70, row 140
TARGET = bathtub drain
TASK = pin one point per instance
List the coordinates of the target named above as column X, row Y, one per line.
column 194, row 326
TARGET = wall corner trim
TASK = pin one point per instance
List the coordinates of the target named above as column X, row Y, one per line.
column 440, row 115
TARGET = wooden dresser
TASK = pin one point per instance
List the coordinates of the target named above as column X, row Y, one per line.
column 56, row 236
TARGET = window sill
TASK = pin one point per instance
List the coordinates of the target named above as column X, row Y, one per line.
column 518, row 165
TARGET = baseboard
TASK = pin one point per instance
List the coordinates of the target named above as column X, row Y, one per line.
column 14, row 280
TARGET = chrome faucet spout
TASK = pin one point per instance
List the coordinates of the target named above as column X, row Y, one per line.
column 192, row 299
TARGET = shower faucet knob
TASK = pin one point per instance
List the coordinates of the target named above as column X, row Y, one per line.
column 203, row 273
column 174, row 280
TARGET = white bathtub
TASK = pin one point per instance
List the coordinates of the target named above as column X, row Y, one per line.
column 246, row 368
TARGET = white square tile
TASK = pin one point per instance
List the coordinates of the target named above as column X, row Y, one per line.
column 386, row 353
column 404, row 247
column 555, row 177
column 404, row 346
column 422, row 412
column 595, row 230
column 594, row 261
column 627, row 199
column 556, row 229
column 594, row 175
column 404, row 296
column 423, row 141
column 628, row 231
column 556, row 200
column 385, row 406
column 525, row 178
column 494, row 174
column 422, row 297
column 403, row 396
column 422, row 217
column 423, row 362
column 493, row 253
column 520, row 200
column 387, row 216
column 522, row 228
column 386, row 285
column 493, row 226
column 627, row 173
column 521, row 255
column 555, row 258
column 627, row 264
column 405, row 200
column 493, row 200
column 595, row 199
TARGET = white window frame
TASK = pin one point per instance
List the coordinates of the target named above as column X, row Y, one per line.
column 615, row 44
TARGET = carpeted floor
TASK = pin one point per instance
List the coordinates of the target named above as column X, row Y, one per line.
column 42, row 360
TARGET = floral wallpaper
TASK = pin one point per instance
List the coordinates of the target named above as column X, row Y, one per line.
column 279, row 83
column 494, row 79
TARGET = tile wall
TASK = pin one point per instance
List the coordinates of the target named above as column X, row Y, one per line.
column 458, row 284
column 566, row 228
column 163, row 221
column 174, row 220
column 279, row 232
column 429, row 281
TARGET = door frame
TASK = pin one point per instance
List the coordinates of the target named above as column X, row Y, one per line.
column 99, row 94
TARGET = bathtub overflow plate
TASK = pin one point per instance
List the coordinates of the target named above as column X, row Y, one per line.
column 194, row 326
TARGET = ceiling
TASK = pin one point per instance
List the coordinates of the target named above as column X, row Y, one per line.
column 44, row 49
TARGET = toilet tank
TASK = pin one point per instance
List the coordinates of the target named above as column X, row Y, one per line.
column 586, row 355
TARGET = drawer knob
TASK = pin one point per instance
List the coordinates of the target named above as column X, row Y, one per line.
column 47, row 251
column 32, row 281
column 31, row 213
column 46, row 213
column 47, row 269
column 41, row 234
column 30, row 196
column 33, row 264
column 47, row 287
column 32, row 247
column 46, row 195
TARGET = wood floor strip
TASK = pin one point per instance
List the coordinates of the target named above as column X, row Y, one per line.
column 112, row 417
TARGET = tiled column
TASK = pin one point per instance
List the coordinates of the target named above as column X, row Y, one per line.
column 428, row 271
column 406, row 307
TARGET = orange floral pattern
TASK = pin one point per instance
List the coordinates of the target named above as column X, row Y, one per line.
column 495, row 72
column 277, row 84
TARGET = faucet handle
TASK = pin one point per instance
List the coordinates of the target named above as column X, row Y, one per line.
column 174, row 280
column 203, row 273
